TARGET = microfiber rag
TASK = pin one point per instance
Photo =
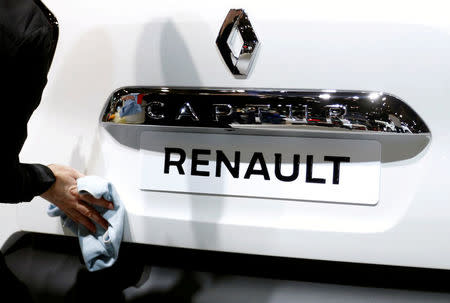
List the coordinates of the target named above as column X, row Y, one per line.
column 99, row 250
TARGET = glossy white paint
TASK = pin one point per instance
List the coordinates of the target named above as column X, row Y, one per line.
column 400, row 47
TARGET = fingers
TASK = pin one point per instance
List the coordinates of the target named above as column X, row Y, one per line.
column 99, row 202
column 81, row 219
column 64, row 194
column 77, row 174
column 90, row 212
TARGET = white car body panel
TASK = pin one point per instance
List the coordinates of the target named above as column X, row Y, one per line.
column 401, row 47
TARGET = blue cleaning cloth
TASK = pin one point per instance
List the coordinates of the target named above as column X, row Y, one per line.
column 130, row 107
column 102, row 249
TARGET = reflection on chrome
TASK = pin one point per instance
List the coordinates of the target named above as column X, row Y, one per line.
column 237, row 42
column 263, row 108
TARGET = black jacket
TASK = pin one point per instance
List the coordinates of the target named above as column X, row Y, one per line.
column 28, row 37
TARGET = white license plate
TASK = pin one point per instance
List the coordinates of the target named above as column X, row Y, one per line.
column 308, row 169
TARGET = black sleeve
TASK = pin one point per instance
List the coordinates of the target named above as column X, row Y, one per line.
column 26, row 66
column 25, row 181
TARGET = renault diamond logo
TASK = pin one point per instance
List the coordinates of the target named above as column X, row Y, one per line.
column 237, row 42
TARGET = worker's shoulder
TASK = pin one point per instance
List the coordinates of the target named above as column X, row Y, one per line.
column 19, row 19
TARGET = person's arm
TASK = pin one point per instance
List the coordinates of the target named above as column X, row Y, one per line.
column 25, row 62
column 22, row 182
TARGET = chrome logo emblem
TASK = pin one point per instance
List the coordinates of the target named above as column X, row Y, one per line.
column 237, row 43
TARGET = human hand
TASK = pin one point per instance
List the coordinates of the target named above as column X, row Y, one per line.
column 64, row 194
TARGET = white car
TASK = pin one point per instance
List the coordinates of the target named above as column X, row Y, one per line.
column 213, row 159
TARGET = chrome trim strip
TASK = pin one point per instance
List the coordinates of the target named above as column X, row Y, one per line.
column 263, row 109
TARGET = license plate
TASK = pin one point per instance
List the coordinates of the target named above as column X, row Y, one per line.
column 307, row 169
